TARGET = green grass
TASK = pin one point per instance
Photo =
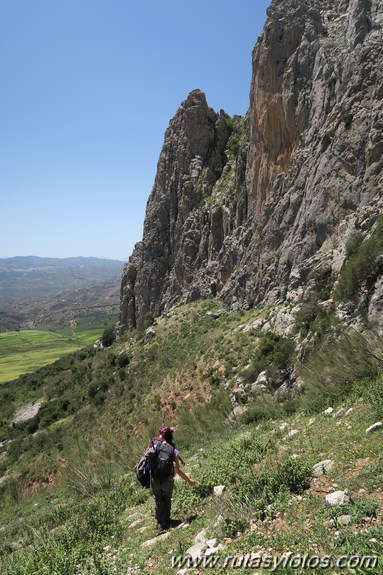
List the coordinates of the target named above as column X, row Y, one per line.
column 100, row 407
column 25, row 351
column 270, row 505
column 88, row 329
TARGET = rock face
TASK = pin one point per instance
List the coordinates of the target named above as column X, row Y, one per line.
column 246, row 208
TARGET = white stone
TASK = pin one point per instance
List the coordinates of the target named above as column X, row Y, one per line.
column 262, row 378
column 349, row 411
column 218, row 490
column 201, row 536
column 196, row 551
column 283, row 426
column 183, row 525
column 211, row 551
column 258, row 389
column 337, row 498
column 155, row 540
column 150, row 334
column 322, row 467
column 291, row 434
column 27, row 411
column 238, row 329
column 328, row 411
column 344, row 519
column 135, row 523
column 375, row 427
column 211, row 542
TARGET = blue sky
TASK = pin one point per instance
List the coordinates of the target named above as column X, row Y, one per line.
column 88, row 89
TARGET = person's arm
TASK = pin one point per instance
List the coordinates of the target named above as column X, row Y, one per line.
column 181, row 460
column 182, row 474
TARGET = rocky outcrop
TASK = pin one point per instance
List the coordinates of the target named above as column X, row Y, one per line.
column 177, row 240
column 249, row 209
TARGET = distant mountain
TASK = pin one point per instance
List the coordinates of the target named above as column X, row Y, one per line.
column 55, row 310
column 28, row 262
column 30, row 277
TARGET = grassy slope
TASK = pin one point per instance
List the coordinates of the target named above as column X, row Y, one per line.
column 103, row 533
column 83, row 524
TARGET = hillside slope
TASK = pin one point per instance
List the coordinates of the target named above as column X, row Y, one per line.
column 27, row 278
column 57, row 310
column 70, row 503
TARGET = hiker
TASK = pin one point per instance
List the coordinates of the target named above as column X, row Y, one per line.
column 161, row 437
column 162, row 481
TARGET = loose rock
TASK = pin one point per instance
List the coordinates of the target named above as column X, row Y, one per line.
column 337, row 498
column 375, row 427
column 322, row 467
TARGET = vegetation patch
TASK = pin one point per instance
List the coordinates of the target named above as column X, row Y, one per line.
column 363, row 265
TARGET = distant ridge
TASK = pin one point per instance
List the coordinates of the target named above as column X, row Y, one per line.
column 28, row 261
column 32, row 277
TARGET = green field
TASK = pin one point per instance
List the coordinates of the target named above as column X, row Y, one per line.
column 24, row 351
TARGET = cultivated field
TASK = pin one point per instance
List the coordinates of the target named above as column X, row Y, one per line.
column 27, row 350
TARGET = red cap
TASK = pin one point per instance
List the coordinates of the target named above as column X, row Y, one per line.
column 165, row 429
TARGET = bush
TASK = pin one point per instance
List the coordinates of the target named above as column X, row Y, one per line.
column 346, row 118
column 273, row 355
column 148, row 319
column 269, row 485
column 52, row 411
column 374, row 395
column 363, row 266
column 123, row 360
column 312, row 317
column 340, row 362
column 365, row 507
column 109, row 336
column 261, row 412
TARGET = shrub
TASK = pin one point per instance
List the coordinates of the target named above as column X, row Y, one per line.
column 269, row 485
column 108, row 337
column 365, row 507
column 363, row 266
column 52, row 411
column 261, row 412
column 273, row 355
column 346, row 118
column 234, row 144
column 340, row 362
column 148, row 319
column 374, row 395
column 123, row 360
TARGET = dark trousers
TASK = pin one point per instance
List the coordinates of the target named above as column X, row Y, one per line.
column 163, row 500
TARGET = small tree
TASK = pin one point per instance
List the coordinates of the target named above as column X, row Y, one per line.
column 109, row 336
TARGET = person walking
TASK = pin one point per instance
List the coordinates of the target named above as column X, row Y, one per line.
column 166, row 464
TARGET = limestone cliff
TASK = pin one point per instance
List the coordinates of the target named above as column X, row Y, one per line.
column 246, row 208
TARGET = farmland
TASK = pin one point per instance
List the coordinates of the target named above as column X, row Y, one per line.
column 27, row 350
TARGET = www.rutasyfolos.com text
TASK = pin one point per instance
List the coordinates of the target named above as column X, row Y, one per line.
column 272, row 563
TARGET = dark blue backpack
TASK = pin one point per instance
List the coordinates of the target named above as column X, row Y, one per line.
column 163, row 462
column 145, row 465
column 156, row 463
